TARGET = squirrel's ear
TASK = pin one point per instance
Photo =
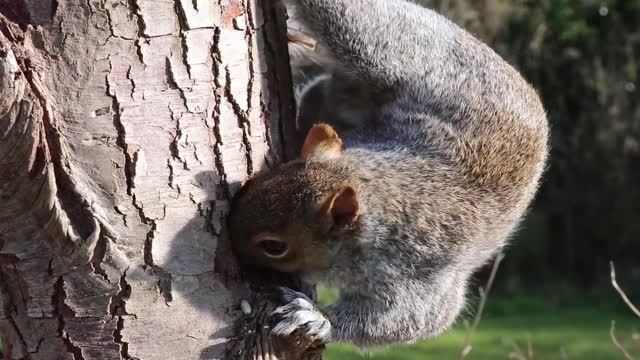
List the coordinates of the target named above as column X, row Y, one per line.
column 323, row 142
column 342, row 206
column 300, row 38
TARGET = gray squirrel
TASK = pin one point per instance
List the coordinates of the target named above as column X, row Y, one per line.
column 398, row 200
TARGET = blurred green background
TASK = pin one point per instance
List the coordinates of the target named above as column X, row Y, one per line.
column 553, row 287
column 568, row 326
column 583, row 56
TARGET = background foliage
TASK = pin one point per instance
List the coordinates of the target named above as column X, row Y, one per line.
column 583, row 57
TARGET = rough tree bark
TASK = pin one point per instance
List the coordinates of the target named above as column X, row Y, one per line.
column 125, row 128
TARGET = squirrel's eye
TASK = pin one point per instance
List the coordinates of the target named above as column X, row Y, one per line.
column 273, row 248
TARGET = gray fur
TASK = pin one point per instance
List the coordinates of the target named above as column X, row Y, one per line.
column 444, row 170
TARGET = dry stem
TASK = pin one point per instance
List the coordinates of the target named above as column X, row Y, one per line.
column 612, row 333
column 629, row 304
column 466, row 349
column 619, row 290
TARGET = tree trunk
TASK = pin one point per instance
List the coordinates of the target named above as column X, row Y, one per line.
column 125, row 128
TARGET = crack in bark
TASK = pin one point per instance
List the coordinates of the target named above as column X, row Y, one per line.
column 170, row 166
column 135, row 10
column 117, row 338
column 216, row 57
column 99, row 252
column 164, row 278
column 148, row 243
column 171, row 81
column 133, row 84
column 117, row 303
column 246, row 127
column 121, row 140
column 124, row 216
column 182, row 24
column 62, row 310
column 109, row 21
column 243, row 118
column 143, row 218
column 35, row 351
column 195, row 154
column 112, row 33
column 243, row 121
column 250, row 29
column 136, row 43
column 117, row 308
column 164, row 284
column 90, row 7
column 175, row 153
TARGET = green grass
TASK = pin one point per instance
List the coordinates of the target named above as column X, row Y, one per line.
column 563, row 328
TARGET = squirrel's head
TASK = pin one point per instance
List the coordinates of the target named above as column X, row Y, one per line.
column 289, row 218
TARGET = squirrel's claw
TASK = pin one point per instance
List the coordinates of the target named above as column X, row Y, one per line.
column 300, row 313
column 288, row 295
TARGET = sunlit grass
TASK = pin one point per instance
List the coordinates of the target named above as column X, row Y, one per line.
column 577, row 329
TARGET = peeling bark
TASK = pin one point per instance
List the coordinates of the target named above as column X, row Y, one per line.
column 125, row 128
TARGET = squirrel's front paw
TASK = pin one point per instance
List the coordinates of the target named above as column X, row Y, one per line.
column 300, row 313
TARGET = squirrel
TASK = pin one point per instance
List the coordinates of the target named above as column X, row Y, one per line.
column 397, row 207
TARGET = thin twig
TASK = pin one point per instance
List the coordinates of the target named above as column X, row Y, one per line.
column 629, row 304
column 619, row 290
column 563, row 353
column 517, row 353
column 612, row 333
column 466, row 349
